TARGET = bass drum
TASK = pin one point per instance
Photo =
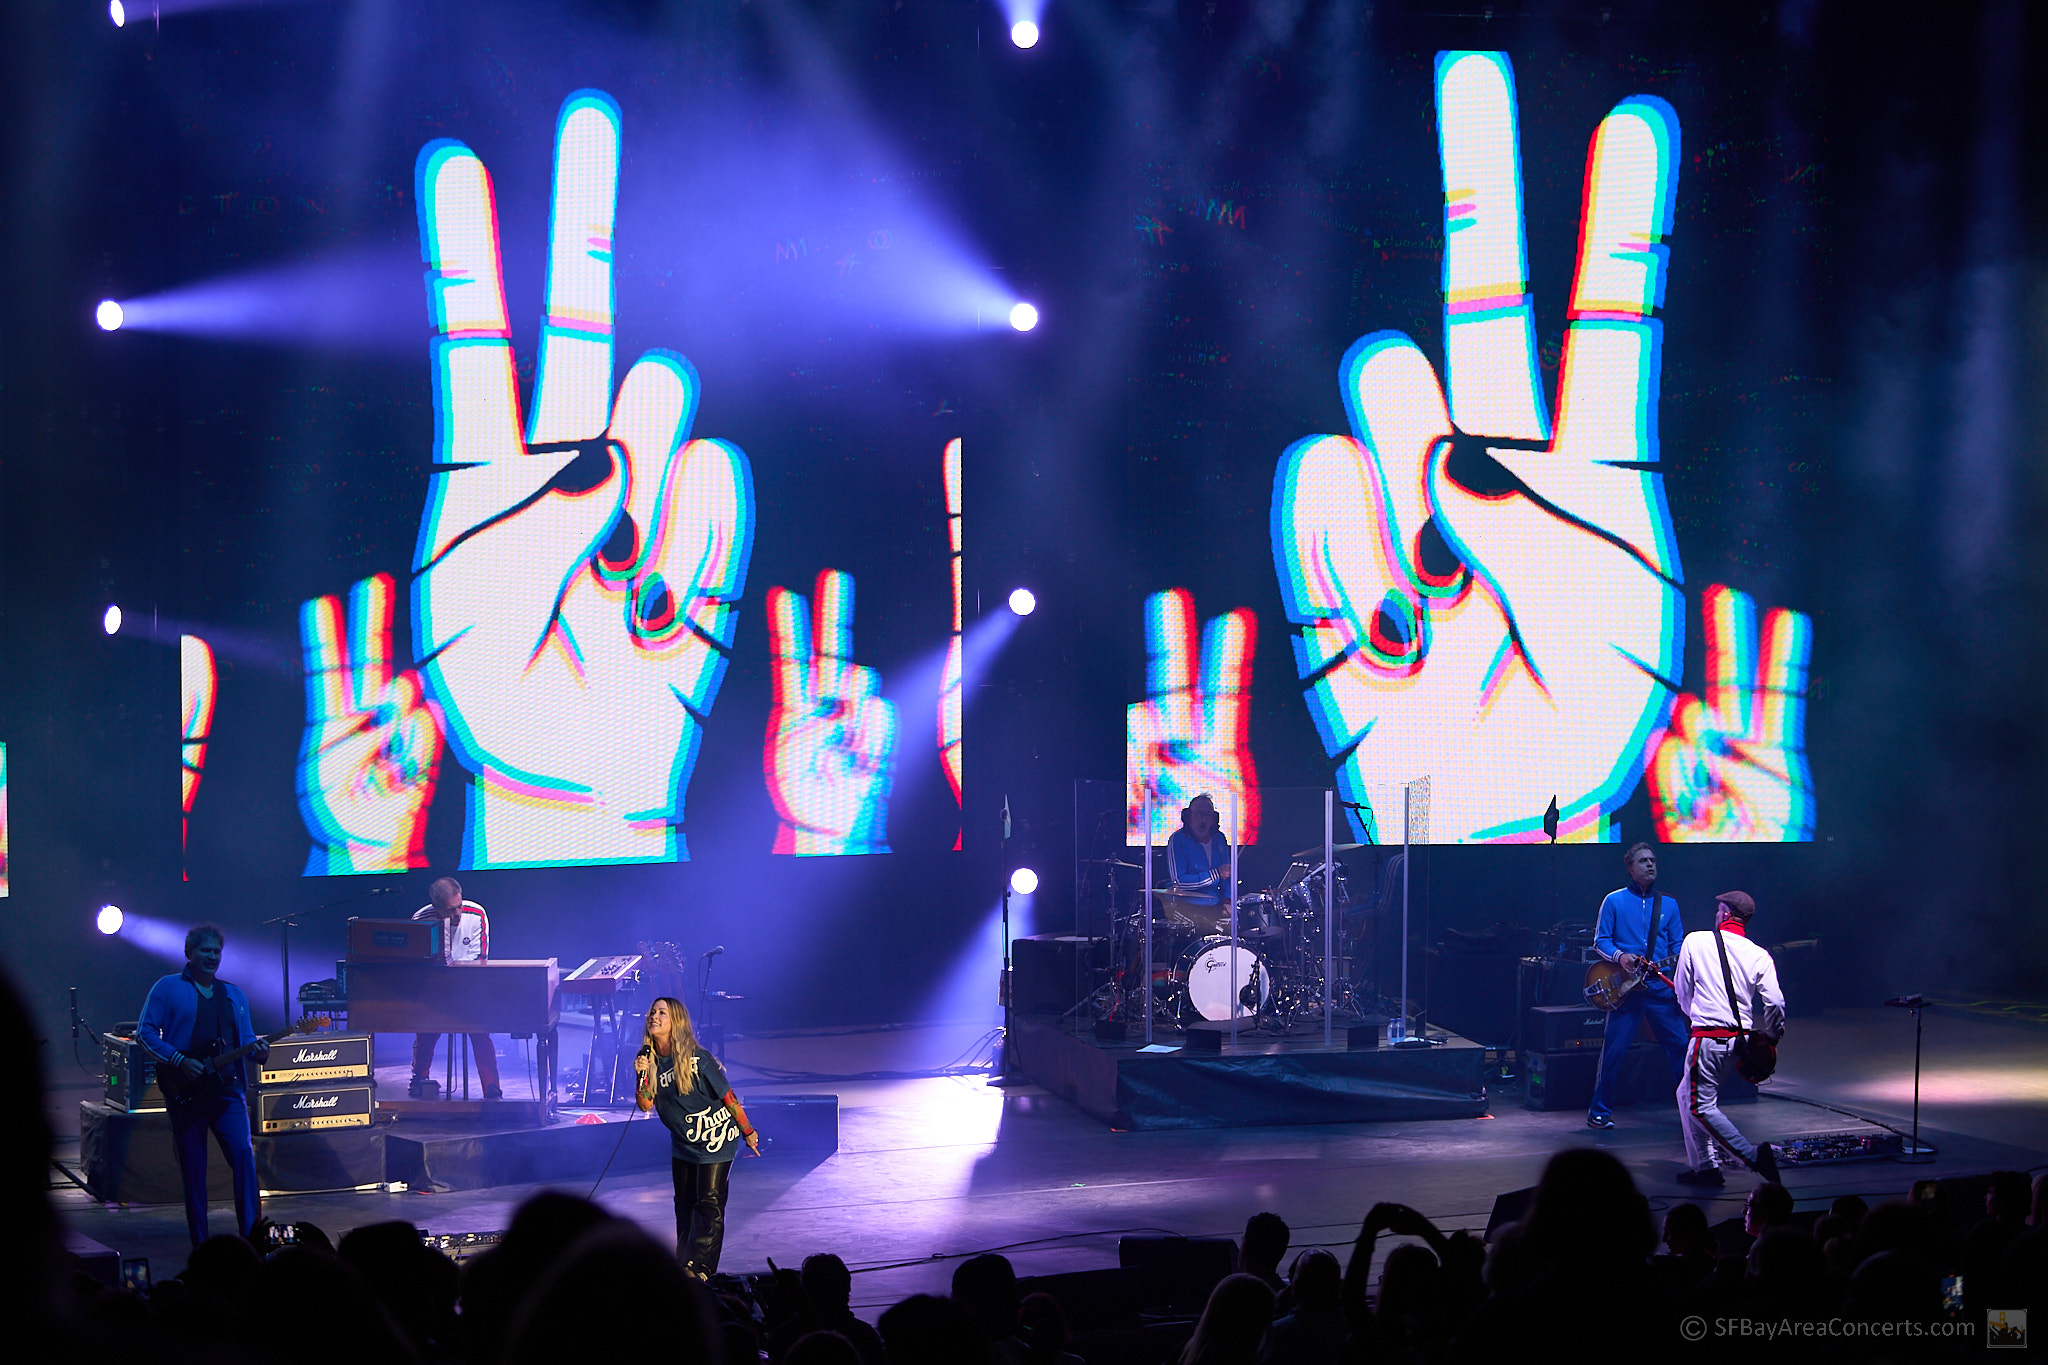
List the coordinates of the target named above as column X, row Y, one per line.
column 1213, row 991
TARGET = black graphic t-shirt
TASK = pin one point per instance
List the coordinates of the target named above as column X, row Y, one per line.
column 702, row 1129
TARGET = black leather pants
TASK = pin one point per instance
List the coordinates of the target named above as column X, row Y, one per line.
column 700, row 1211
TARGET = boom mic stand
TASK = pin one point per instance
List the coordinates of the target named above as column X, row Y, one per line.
column 1006, row 1063
column 1915, row 1154
column 286, row 923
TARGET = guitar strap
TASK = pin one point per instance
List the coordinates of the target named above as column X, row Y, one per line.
column 1728, row 980
column 1650, row 943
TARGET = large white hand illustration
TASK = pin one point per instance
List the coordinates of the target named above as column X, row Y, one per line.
column 574, row 589
column 1191, row 733
column 830, row 734
column 1483, row 599
column 372, row 746
column 1733, row 768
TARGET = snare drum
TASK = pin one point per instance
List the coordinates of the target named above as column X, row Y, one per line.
column 1213, row 991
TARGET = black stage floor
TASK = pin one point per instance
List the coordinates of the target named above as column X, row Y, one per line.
column 933, row 1169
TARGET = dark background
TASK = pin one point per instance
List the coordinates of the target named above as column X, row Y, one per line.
column 1850, row 423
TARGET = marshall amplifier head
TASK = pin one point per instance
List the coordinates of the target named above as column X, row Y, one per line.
column 302, row 1109
column 305, row 1058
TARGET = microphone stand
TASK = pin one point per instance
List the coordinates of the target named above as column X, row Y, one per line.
column 1915, row 1154
column 1006, row 1063
column 286, row 923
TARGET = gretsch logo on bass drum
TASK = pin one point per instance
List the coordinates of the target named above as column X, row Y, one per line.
column 316, row 1102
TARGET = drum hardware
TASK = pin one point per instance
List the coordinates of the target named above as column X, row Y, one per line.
column 1334, row 848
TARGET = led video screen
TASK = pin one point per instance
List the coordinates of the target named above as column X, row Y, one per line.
column 582, row 571
column 1482, row 577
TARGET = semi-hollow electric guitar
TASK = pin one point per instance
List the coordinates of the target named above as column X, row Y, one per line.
column 1607, row 984
column 179, row 1088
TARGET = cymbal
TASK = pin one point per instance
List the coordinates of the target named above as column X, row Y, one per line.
column 1334, row 848
column 1114, row 862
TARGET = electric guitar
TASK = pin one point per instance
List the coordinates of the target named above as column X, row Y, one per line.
column 1607, row 985
column 179, row 1088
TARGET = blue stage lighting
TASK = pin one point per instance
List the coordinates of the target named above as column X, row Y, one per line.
column 119, row 14
column 1024, row 33
column 1023, row 317
column 1023, row 881
column 1023, row 601
column 110, row 621
column 108, row 315
column 109, row 919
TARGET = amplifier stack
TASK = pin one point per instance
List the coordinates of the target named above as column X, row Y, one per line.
column 315, row 1081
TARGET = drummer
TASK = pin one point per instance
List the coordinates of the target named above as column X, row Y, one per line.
column 1199, row 855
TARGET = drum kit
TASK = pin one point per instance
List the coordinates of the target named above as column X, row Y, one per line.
column 1271, row 975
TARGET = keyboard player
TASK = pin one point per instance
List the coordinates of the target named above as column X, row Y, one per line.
column 466, row 932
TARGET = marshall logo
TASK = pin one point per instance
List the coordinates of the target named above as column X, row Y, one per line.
column 316, row 1102
column 305, row 1055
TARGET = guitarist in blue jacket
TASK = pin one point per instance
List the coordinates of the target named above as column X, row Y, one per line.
column 188, row 1019
column 1638, row 928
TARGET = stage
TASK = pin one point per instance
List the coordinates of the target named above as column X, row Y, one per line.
column 1259, row 1080
column 927, row 1171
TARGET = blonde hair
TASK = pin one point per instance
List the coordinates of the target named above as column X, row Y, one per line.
column 682, row 1041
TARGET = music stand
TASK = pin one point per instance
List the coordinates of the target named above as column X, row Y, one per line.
column 1915, row 1154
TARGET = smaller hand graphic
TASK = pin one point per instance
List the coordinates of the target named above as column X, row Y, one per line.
column 949, row 682
column 830, row 735
column 196, row 682
column 1733, row 768
column 1187, row 738
column 372, row 744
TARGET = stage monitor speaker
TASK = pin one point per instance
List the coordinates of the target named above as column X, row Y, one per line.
column 1207, row 1037
column 1559, row 1080
column 1094, row 1300
column 1509, row 1208
column 1185, row 1269
column 1051, row 972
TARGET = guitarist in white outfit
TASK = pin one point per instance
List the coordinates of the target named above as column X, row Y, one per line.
column 1702, row 982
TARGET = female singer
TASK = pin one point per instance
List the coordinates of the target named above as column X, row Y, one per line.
column 687, row 1087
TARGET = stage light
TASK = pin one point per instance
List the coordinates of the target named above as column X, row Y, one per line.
column 109, row 919
column 117, row 13
column 108, row 315
column 1023, row 881
column 111, row 621
column 1023, row 601
column 1023, row 317
column 1023, row 33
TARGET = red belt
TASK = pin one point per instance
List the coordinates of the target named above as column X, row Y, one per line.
column 1722, row 1033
